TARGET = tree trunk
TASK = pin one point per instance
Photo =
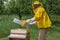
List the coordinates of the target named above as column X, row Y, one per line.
column 20, row 16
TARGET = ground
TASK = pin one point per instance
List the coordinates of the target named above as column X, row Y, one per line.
column 6, row 25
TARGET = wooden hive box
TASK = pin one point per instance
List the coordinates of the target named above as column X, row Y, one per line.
column 19, row 34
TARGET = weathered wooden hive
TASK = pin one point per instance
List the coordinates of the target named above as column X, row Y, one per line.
column 19, row 34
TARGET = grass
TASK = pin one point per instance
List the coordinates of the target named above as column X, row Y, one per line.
column 6, row 25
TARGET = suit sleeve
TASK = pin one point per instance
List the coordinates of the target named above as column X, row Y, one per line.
column 38, row 14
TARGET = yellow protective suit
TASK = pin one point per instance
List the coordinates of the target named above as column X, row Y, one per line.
column 41, row 16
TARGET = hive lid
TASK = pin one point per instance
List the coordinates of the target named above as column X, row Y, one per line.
column 19, row 31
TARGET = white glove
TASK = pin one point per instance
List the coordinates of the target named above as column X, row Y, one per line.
column 31, row 21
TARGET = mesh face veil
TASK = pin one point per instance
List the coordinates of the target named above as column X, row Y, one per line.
column 36, row 4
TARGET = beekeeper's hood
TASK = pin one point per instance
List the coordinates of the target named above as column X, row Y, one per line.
column 36, row 2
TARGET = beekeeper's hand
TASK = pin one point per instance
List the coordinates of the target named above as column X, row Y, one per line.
column 30, row 20
column 24, row 23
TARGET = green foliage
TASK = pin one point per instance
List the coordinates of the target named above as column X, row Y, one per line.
column 52, row 6
column 24, row 7
column 1, row 7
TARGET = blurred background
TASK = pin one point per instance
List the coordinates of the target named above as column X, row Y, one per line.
column 22, row 9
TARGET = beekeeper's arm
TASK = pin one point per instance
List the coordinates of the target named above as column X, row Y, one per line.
column 24, row 22
column 31, row 21
column 28, row 22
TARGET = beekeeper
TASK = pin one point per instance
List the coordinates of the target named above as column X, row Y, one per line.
column 40, row 18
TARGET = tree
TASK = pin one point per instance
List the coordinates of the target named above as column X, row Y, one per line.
column 1, row 7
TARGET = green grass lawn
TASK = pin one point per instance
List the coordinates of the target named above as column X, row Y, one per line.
column 6, row 25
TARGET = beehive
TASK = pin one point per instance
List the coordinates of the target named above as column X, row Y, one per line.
column 19, row 34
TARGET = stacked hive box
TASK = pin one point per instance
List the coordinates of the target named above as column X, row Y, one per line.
column 19, row 34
